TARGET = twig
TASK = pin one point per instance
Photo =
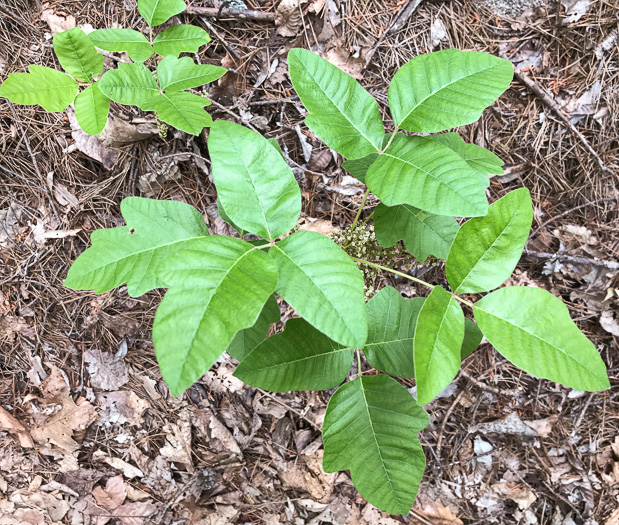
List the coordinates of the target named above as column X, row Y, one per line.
column 214, row 31
column 397, row 23
column 439, row 443
column 611, row 265
column 294, row 411
column 488, row 388
column 605, row 199
column 228, row 12
column 551, row 103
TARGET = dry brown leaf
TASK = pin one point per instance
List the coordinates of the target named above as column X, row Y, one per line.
column 178, row 437
column 11, row 425
column 106, row 371
column 58, row 429
column 318, row 225
column 512, row 424
column 136, row 513
column 50, row 506
column 10, row 326
column 307, row 474
column 113, row 495
column 57, row 23
column 519, row 494
column 288, row 18
column 122, row 407
column 341, row 58
column 128, row 470
column 434, row 512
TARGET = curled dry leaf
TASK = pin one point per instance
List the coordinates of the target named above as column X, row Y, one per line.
column 307, row 474
column 288, row 18
column 434, row 512
column 57, row 23
column 113, row 495
column 11, row 425
column 106, row 371
column 57, row 431
column 318, row 225
column 512, row 424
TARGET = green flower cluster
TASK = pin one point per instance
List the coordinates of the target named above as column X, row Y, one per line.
column 361, row 243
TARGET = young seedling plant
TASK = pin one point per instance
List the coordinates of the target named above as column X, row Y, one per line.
column 132, row 83
column 221, row 291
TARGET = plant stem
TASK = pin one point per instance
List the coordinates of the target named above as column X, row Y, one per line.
column 406, row 276
column 365, row 198
column 368, row 218
column 395, row 132
column 401, row 274
column 358, row 363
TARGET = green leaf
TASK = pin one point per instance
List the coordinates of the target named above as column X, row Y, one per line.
column 446, row 89
column 428, row 175
column 472, row 338
column 180, row 109
column 370, row 428
column 299, row 358
column 246, row 340
column 487, row 249
column 119, row 40
column 225, row 218
column 391, row 327
column 254, row 184
column 77, row 54
column 438, row 341
column 423, row 233
column 177, row 74
column 129, row 254
column 182, row 38
column 343, row 114
column 479, row 159
column 51, row 89
column 91, row 109
column 131, row 84
column 218, row 286
column 156, row 12
column 533, row 329
column 358, row 168
column 322, row 283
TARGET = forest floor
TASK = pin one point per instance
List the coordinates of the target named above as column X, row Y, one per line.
column 89, row 433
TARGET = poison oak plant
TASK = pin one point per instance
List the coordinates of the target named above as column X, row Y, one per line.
column 222, row 291
column 132, row 83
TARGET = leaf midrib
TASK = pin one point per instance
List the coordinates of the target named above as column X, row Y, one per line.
column 512, row 218
column 338, row 108
column 348, row 329
column 438, row 331
column 380, row 454
column 423, row 100
column 535, row 336
column 205, row 310
column 139, row 252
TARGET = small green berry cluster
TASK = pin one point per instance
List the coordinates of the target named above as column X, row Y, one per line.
column 360, row 242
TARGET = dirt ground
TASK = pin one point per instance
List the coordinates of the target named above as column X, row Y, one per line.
column 89, row 433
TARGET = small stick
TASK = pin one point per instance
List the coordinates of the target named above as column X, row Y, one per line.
column 228, row 12
column 551, row 103
column 230, row 49
column 397, row 23
column 611, row 265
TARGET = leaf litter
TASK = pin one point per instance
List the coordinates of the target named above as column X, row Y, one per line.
column 251, row 440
